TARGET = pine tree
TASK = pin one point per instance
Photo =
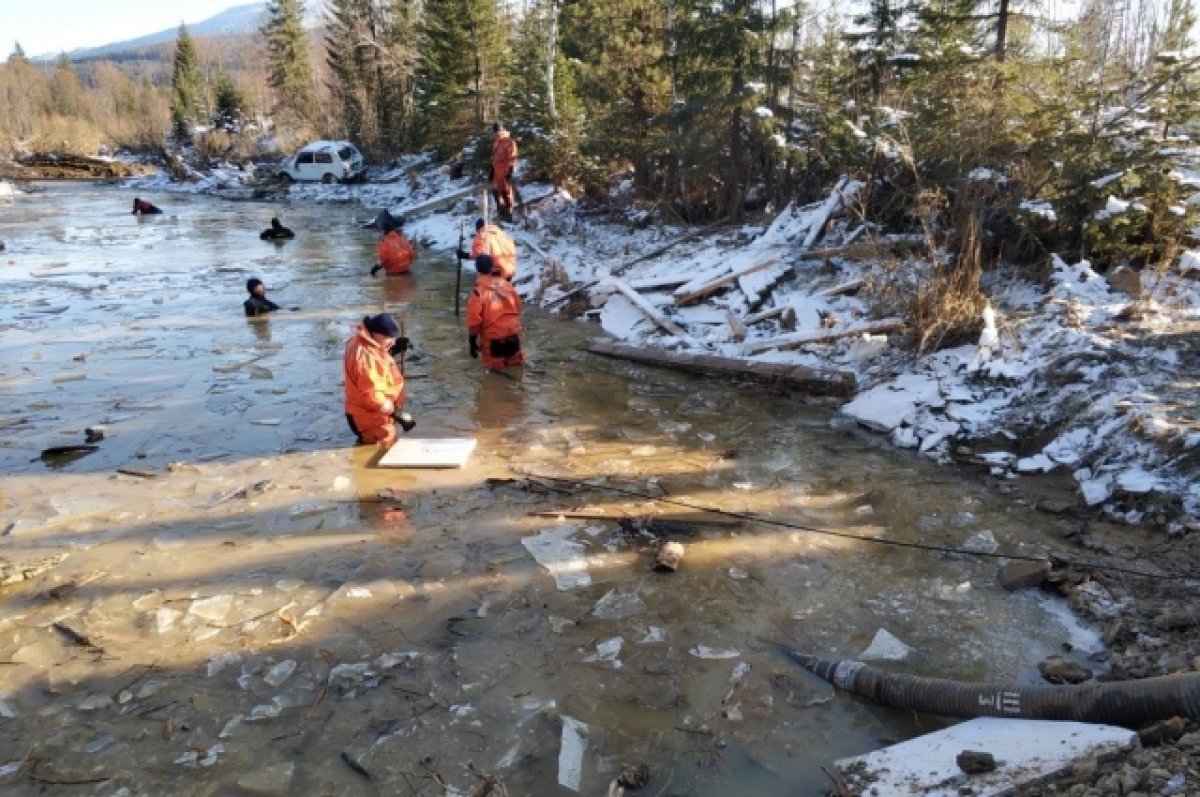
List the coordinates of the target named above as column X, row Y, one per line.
column 725, row 134
column 289, row 72
column 187, row 86
column 18, row 54
column 230, row 103
column 66, row 92
column 460, row 80
column 618, row 59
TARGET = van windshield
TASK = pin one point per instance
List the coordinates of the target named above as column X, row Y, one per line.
column 345, row 153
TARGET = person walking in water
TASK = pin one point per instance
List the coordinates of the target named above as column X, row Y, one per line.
column 494, row 318
column 374, row 385
column 258, row 303
column 143, row 208
column 504, row 162
column 276, row 232
column 491, row 240
column 395, row 253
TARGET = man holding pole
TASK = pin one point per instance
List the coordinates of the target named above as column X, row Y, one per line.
column 491, row 240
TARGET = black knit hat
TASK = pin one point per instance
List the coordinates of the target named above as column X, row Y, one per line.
column 382, row 324
column 253, row 283
column 484, row 264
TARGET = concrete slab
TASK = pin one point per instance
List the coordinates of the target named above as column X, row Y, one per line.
column 1025, row 750
column 447, row 452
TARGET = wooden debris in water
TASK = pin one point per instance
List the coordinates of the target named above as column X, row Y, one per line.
column 818, row 382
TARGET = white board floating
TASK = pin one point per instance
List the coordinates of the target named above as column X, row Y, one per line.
column 1026, row 751
column 445, row 452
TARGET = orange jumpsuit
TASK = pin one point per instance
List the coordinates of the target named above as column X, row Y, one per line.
column 395, row 253
column 494, row 315
column 491, row 240
column 371, row 379
column 504, row 159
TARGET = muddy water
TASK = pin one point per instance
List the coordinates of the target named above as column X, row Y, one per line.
column 257, row 610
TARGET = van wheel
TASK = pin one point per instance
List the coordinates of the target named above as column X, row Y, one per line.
column 284, row 178
column 327, row 178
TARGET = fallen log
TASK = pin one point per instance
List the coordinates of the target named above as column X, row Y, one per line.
column 437, row 203
column 818, row 382
column 647, row 309
column 798, row 339
column 831, row 205
column 686, row 519
column 698, row 290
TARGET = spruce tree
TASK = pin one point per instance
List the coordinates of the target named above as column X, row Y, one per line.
column 460, row 81
column 187, row 86
column 289, row 72
column 230, row 103
column 617, row 54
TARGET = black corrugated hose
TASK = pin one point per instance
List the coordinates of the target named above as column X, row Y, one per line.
column 1131, row 704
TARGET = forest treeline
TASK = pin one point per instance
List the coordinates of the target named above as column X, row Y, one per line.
column 984, row 123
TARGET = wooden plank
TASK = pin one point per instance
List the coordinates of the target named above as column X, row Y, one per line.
column 647, row 309
column 437, row 203
column 736, row 327
column 691, row 292
column 621, row 269
column 765, row 314
column 799, row 339
column 818, row 382
column 837, row 290
column 658, row 283
column 826, row 210
column 757, row 286
column 850, row 286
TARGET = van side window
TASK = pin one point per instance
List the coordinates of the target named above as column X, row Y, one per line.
column 324, row 157
column 304, row 157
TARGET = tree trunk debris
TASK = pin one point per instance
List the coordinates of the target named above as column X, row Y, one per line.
column 798, row 339
column 817, row 382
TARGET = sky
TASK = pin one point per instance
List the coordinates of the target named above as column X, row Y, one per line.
column 53, row 26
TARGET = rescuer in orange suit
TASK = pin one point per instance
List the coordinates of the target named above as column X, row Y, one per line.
column 374, row 384
column 504, row 160
column 395, row 253
column 494, row 318
column 491, row 240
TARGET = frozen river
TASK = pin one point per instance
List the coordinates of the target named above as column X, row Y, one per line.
column 269, row 608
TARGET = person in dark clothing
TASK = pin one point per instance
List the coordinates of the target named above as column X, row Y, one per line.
column 258, row 303
column 144, row 208
column 276, row 232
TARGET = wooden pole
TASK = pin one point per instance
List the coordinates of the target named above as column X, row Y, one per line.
column 462, row 223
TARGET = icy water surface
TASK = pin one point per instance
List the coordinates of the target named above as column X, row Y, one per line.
column 269, row 614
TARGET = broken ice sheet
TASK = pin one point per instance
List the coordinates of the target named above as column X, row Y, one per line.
column 212, row 609
column 280, row 673
column 618, row 605
column 885, row 647
column 654, row 635
column 608, row 651
column 570, row 753
column 705, row 652
column 561, row 556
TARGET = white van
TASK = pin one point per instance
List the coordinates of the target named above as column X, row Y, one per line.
column 327, row 161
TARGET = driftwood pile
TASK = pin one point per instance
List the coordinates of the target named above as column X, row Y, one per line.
column 51, row 166
column 756, row 280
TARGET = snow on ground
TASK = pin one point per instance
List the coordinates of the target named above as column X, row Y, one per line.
column 1065, row 378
